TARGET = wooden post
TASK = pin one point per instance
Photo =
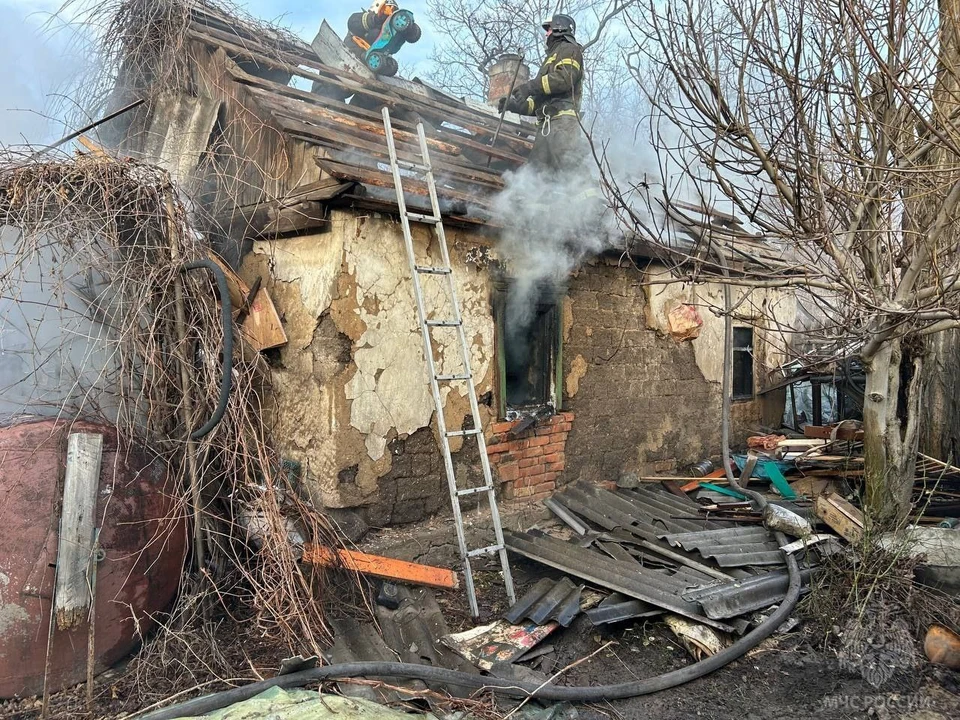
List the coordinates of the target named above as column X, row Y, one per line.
column 72, row 595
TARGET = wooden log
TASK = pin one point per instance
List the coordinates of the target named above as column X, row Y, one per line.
column 71, row 599
column 382, row 567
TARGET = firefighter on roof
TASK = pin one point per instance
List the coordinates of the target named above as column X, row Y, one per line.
column 553, row 96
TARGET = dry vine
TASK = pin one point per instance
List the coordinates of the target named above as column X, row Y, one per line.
column 99, row 236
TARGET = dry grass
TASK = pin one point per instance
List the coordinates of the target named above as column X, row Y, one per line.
column 867, row 605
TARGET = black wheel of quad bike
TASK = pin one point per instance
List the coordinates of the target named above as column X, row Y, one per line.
column 390, row 67
column 414, row 33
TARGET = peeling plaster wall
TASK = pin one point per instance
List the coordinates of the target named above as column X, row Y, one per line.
column 351, row 385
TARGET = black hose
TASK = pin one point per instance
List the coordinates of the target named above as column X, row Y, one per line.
column 226, row 311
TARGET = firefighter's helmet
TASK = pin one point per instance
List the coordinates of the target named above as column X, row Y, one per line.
column 561, row 24
column 384, row 7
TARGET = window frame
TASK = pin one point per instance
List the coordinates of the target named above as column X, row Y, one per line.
column 738, row 352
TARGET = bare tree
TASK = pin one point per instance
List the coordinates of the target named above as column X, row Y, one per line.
column 831, row 128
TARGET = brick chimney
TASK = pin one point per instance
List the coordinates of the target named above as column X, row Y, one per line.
column 501, row 73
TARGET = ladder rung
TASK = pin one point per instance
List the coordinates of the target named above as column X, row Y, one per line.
column 474, row 491
column 407, row 165
column 433, row 270
column 460, row 433
column 453, row 377
column 443, row 323
column 489, row 550
column 429, row 219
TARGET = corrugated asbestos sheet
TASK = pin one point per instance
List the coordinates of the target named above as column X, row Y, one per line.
column 644, row 514
column 731, row 547
column 548, row 600
column 729, row 600
column 409, row 634
column 657, row 587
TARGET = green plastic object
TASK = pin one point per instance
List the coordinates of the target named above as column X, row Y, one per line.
column 780, row 482
column 723, row 490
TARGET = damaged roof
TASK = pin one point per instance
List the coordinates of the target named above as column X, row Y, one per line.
column 324, row 97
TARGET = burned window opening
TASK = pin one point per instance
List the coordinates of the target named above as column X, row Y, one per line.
column 528, row 348
column 742, row 363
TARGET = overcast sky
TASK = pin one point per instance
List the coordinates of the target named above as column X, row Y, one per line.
column 38, row 60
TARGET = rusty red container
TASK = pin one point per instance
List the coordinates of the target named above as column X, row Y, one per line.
column 142, row 532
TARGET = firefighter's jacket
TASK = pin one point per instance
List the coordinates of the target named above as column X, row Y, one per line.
column 557, row 88
column 366, row 25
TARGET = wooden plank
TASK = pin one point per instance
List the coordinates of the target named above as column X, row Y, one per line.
column 381, row 179
column 345, row 120
column 471, row 181
column 382, row 567
column 92, row 147
column 330, row 50
column 296, row 218
column 826, row 432
column 261, row 328
column 77, row 523
column 840, row 515
column 445, row 135
column 437, row 112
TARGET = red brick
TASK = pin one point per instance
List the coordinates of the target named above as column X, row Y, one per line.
column 564, row 427
column 535, row 441
column 556, row 457
column 539, row 496
column 505, row 459
column 550, row 476
column 522, row 492
column 508, row 473
column 499, row 448
column 555, row 467
column 557, row 447
column 568, row 416
column 531, row 470
column 532, row 452
column 528, row 461
column 502, row 427
column 546, row 487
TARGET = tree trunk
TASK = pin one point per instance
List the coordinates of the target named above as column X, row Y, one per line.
column 891, row 416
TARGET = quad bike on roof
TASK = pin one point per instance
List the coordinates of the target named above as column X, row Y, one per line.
column 376, row 35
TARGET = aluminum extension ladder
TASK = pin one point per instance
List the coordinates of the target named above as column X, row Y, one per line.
column 454, row 321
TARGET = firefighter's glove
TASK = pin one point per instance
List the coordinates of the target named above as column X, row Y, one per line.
column 512, row 104
column 523, row 91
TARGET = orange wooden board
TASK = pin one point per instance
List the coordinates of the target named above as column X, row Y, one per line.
column 382, row 567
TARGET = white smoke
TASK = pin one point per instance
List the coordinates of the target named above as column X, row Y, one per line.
column 551, row 223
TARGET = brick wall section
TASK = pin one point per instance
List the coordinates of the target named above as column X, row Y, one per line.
column 530, row 464
column 642, row 405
